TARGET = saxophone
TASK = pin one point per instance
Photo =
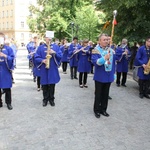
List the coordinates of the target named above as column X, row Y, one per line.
column 147, row 69
column 48, row 57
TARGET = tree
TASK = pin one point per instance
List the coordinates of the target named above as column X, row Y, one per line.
column 87, row 20
column 48, row 15
column 133, row 18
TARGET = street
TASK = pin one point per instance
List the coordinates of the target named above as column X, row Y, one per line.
column 71, row 124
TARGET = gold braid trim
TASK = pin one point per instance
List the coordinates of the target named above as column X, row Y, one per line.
column 95, row 51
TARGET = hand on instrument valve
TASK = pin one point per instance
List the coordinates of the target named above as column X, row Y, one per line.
column 107, row 56
column 126, row 52
column 44, row 61
column 52, row 51
column 144, row 66
column 3, row 55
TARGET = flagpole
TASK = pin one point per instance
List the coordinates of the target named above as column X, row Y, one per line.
column 113, row 26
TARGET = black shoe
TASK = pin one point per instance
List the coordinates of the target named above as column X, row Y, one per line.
column 109, row 97
column 118, row 85
column 104, row 113
column 141, row 95
column 75, row 78
column 147, row 96
column 124, row 85
column 97, row 115
column 9, row 106
column 71, row 78
column 52, row 103
column 81, row 86
column 44, row 104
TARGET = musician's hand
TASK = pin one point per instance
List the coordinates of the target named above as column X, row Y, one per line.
column 107, row 56
column 52, row 52
column 144, row 66
column 3, row 55
column 44, row 61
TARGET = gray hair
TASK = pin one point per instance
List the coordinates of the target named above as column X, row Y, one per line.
column 103, row 34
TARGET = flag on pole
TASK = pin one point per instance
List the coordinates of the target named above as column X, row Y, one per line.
column 115, row 21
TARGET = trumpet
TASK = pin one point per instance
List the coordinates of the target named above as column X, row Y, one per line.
column 48, row 57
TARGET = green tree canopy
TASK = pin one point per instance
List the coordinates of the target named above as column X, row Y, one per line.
column 133, row 18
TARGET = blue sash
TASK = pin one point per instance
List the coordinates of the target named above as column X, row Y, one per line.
column 108, row 63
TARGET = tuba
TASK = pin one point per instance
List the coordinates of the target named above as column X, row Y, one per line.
column 48, row 57
column 147, row 70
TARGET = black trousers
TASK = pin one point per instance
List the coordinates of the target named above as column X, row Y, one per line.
column 48, row 92
column 73, row 71
column 144, row 86
column 92, row 68
column 82, row 78
column 64, row 66
column 101, row 96
column 7, row 96
column 124, row 77
column 38, row 82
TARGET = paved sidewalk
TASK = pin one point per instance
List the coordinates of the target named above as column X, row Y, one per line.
column 71, row 124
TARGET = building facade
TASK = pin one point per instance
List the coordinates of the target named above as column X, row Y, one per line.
column 13, row 19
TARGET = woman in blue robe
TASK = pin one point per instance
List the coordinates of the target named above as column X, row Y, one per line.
column 84, row 64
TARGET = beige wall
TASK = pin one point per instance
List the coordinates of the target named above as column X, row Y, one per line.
column 13, row 19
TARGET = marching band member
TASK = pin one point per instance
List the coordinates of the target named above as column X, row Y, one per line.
column 73, row 48
column 104, row 62
column 142, row 61
column 64, row 60
column 122, row 59
column 36, row 70
column 32, row 47
column 48, row 58
column 84, row 64
column 6, row 64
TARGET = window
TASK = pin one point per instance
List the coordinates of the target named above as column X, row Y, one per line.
column 2, row 2
column 22, row 24
column 3, row 14
column 11, row 13
column 3, row 25
column 7, row 25
column 22, row 36
column 6, row 2
column 11, row 1
column 11, row 26
column 7, row 13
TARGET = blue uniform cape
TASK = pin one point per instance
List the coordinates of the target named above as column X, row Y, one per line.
column 141, row 58
column 122, row 60
column 73, row 58
column 6, row 65
column 84, row 63
column 65, row 53
column 104, row 71
column 51, row 75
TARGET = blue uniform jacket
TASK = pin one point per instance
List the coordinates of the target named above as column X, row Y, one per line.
column 36, row 69
column 31, row 48
column 51, row 75
column 142, row 58
column 84, row 63
column 5, row 68
column 100, row 74
column 65, row 53
column 122, row 60
column 73, row 57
